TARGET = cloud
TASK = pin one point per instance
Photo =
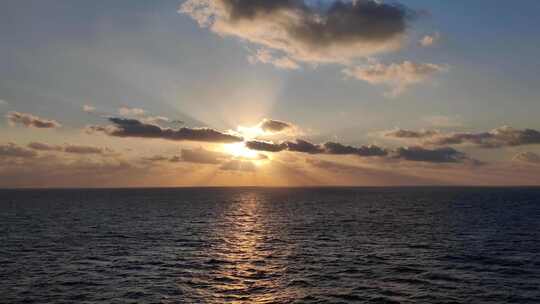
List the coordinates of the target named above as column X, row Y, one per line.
column 303, row 146
column 265, row 146
column 69, row 148
column 202, row 156
column 125, row 111
column 430, row 40
column 398, row 76
column 160, row 158
column 238, row 165
column 408, row 134
column 364, row 151
column 265, row 56
column 274, row 126
column 155, row 119
column 496, row 138
column 38, row 146
column 123, row 127
column 306, row 32
column 12, row 150
column 420, row 154
column 89, row 108
column 527, row 157
column 79, row 149
column 53, row 171
column 440, row 155
column 31, row 121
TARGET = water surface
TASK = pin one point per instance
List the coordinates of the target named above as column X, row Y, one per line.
column 249, row 245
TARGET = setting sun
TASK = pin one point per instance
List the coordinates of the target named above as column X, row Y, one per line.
column 240, row 150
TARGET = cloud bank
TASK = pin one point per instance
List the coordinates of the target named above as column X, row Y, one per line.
column 419, row 154
column 496, row 138
column 329, row 148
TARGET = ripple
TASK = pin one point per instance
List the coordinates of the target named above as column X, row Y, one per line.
column 346, row 245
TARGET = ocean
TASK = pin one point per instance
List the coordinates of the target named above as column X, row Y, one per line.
column 266, row 245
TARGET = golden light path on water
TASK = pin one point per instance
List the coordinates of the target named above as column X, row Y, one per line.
column 247, row 265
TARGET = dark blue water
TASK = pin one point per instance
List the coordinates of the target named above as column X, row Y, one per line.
column 335, row 245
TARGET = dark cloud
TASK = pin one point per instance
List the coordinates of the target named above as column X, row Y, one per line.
column 31, row 121
column 500, row 137
column 274, row 126
column 366, row 151
column 265, row 146
column 12, row 150
column 337, row 32
column 310, row 148
column 304, row 147
column 496, row 138
column 440, row 155
column 135, row 128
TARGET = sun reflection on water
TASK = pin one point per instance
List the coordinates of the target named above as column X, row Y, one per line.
column 245, row 258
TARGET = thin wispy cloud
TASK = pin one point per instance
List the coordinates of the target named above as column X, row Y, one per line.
column 31, row 121
column 430, row 40
column 397, row 76
column 126, row 111
column 89, row 108
column 267, row 57
column 70, row 148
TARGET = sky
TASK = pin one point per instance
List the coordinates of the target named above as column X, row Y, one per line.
column 136, row 93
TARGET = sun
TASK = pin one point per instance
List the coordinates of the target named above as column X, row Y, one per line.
column 241, row 151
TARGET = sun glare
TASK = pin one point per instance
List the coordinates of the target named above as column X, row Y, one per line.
column 250, row 132
column 240, row 150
